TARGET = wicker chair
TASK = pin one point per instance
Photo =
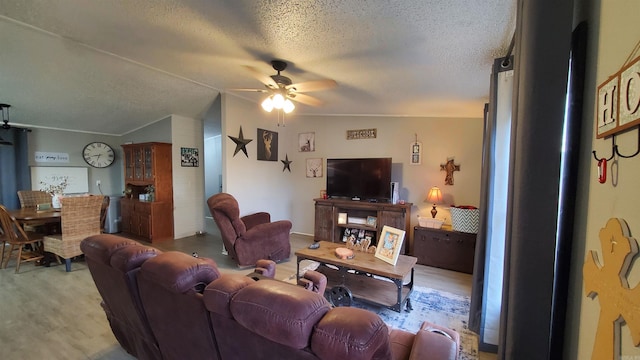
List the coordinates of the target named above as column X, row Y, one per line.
column 12, row 233
column 80, row 218
column 31, row 199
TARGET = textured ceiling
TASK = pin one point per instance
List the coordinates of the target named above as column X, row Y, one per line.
column 114, row 66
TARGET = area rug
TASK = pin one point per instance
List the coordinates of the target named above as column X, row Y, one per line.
column 439, row 307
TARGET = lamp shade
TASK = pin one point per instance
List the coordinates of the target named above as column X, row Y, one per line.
column 435, row 195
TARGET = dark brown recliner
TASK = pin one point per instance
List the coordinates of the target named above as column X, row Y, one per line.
column 251, row 237
column 114, row 262
column 171, row 286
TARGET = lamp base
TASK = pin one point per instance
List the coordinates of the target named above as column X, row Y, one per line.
column 434, row 211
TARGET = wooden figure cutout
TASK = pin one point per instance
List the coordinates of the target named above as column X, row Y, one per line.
column 618, row 303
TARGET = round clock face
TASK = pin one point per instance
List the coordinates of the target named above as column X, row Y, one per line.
column 98, row 154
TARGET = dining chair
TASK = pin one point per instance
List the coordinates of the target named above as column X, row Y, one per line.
column 80, row 218
column 31, row 199
column 17, row 238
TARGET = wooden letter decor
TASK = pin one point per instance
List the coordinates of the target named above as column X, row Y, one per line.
column 362, row 134
column 608, row 282
column 619, row 101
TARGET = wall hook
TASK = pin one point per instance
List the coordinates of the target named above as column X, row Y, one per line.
column 614, row 150
column 628, row 156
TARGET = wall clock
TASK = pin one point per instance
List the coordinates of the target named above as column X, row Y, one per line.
column 98, row 154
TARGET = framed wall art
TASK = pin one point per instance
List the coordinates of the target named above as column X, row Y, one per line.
column 307, row 142
column 189, row 157
column 314, row 168
column 267, row 145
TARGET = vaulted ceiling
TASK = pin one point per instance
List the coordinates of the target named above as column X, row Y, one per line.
column 114, row 66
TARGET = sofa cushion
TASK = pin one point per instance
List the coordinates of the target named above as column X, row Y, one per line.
column 351, row 333
column 131, row 257
column 179, row 272
column 218, row 294
column 280, row 312
column 101, row 247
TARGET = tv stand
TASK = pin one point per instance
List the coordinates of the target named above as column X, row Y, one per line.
column 329, row 228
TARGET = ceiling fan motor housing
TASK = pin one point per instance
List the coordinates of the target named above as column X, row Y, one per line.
column 281, row 80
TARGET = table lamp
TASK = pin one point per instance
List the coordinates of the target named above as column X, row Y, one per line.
column 434, row 196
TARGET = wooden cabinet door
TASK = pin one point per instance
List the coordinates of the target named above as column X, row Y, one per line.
column 128, row 164
column 138, row 165
column 391, row 218
column 323, row 229
column 125, row 214
column 147, row 154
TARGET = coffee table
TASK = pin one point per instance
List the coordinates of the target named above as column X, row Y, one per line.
column 364, row 277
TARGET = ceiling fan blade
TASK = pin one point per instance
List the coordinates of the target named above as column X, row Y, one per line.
column 314, row 85
column 265, row 79
column 249, row 90
column 306, row 99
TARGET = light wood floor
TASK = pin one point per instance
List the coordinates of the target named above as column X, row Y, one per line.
column 46, row 313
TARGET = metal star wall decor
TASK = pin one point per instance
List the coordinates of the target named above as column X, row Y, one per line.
column 286, row 163
column 241, row 143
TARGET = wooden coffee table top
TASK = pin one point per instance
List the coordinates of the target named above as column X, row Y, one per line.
column 362, row 261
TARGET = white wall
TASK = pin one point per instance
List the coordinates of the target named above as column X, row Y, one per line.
column 73, row 143
column 441, row 138
column 257, row 185
column 614, row 32
column 188, row 182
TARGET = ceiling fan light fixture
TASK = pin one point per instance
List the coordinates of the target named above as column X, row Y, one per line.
column 288, row 106
column 267, row 104
column 278, row 101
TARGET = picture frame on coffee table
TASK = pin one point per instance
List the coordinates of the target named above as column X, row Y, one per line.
column 390, row 244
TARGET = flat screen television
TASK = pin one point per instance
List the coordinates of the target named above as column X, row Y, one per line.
column 365, row 179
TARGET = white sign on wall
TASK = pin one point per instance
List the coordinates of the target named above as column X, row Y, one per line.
column 51, row 157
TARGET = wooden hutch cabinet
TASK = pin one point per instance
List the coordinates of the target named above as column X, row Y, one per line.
column 328, row 227
column 148, row 165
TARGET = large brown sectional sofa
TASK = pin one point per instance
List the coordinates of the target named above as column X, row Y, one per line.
column 170, row 305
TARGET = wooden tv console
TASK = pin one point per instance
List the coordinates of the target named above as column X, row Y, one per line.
column 328, row 228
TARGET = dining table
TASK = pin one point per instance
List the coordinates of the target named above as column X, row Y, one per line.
column 50, row 218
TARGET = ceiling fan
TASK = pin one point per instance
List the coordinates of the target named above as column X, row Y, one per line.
column 282, row 90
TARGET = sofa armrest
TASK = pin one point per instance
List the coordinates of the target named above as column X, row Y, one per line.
column 255, row 219
column 435, row 342
column 266, row 268
column 313, row 281
column 273, row 231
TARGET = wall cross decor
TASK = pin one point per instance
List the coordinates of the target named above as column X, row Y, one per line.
column 449, row 167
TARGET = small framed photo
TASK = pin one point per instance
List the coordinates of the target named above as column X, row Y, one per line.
column 342, row 218
column 371, row 221
column 390, row 244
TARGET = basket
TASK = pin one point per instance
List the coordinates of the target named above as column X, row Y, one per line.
column 430, row 223
column 465, row 220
